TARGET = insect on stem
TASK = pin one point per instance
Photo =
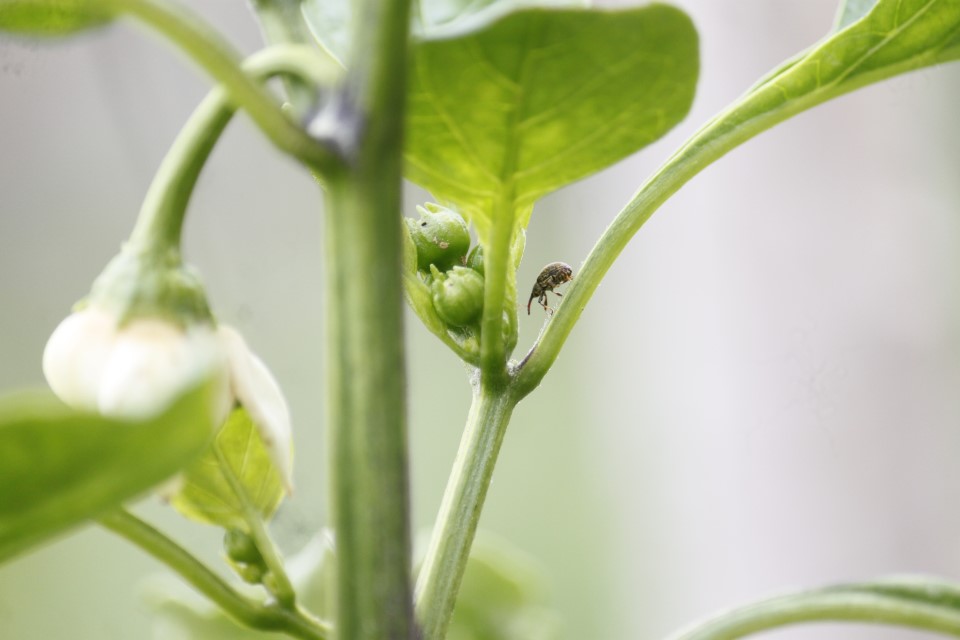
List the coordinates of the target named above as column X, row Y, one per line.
column 552, row 275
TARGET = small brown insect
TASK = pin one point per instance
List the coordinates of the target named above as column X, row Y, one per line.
column 552, row 275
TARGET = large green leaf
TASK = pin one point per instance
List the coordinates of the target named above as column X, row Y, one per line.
column 541, row 98
column 50, row 17
column 208, row 495
column 918, row 602
column 59, row 467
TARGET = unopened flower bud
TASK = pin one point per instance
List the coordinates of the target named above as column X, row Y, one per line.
column 457, row 295
column 441, row 237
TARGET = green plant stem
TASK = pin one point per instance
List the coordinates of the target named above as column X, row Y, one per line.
column 205, row 47
column 498, row 260
column 446, row 559
column 281, row 22
column 160, row 222
column 246, row 611
column 715, row 139
column 366, row 404
column 841, row 606
column 283, row 591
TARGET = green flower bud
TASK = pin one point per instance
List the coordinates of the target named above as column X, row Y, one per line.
column 250, row 573
column 441, row 237
column 475, row 259
column 241, row 548
column 457, row 295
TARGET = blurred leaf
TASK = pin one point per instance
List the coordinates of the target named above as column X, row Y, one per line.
column 207, row 496
column 502, row 598
column 59, row 467
column 852, row 10
column 541, row 98
column 331, row 21
column 50, row 17
column 917, row 602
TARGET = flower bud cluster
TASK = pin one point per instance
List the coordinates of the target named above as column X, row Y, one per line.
column 442, row 240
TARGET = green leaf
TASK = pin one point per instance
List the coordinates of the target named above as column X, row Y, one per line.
column 541, row 98
column 895, row 37
column 207, row 494
column 59, row 467
column 50, row 17
column 852, row 10
column 917, row 602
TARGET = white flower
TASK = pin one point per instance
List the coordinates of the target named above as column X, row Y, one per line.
column 136, row 370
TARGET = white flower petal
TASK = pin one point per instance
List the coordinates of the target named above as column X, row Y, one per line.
column 152, row 362
column 75, row 356
column 259, row 393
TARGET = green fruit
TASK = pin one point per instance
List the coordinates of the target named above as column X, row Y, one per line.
column 241, row 548
column 475, row 259
column 457, row 295
column 441, row 237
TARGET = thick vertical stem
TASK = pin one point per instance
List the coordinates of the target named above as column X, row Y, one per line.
column 366, row 373
column 456, row 525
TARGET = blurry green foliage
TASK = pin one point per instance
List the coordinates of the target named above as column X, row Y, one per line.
column 59, row 467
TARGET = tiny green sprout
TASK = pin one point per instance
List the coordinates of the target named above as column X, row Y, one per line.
column 552, row 275
column 441, row 237
column 457, row 295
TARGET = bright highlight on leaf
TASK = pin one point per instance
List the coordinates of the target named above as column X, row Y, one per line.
column 59, row 467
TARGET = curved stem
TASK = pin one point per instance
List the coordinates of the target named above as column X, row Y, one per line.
column 205, row 47
column 281, row 22
column 825, row 606
column 676, row 172
column 456, row 526
column 253, row 614
column 283, row 590
column 161, row 215
column 738, row 123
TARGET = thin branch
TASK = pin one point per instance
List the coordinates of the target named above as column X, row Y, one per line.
column 244, row 610
column 211, row 52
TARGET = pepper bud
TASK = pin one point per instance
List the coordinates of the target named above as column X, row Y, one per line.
column 240, row 547
column 457, row 295
column 475, row 259
column 441, row 237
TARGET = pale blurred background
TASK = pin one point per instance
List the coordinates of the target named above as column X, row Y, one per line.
column 764, row 394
